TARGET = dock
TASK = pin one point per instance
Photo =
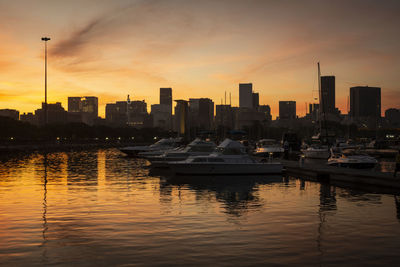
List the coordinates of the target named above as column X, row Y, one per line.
column 343, row 176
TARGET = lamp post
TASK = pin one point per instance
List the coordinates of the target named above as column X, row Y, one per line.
column 45, row 39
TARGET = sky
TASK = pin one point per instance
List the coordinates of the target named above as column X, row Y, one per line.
column 110, row 49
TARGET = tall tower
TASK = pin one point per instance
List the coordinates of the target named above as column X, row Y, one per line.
column 327, row 101
column 246, row 95
column 166, row 97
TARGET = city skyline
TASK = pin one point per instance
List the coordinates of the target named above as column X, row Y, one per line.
column 198, row 49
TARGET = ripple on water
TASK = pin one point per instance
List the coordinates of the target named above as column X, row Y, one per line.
column 101, row 208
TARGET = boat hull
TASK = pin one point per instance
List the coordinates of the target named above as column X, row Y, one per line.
column 316, row 154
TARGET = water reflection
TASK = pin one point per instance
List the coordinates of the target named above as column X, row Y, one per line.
column 82, row 170
column 237, row 194
column 44, row 216
column 98, row 208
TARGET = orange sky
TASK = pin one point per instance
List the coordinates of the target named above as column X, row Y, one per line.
column 199, row 48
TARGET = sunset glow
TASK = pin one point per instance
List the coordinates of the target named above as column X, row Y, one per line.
column 111, row 49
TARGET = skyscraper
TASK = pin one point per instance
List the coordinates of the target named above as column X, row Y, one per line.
column 365, row 102
column 86, row 107
column 166, row 97
column 287, row 110
column 327, row 100
column 181, row 117
column 256, row 100
column 246, row 95
column 201, row 113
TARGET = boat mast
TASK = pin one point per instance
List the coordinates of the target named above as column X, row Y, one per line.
column 320, row 101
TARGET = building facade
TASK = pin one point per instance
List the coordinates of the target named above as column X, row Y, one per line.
column 246, row 95
column 365, row 102
column 10, row 113
column 287, row 110
column 327, row 101
column 83, row 109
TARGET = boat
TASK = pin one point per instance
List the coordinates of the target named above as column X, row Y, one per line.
column 268, row 148
column 197, row 147
column 161, row 145
column 357, row 161
column 229, row 158
column 316, row 152
column 319, row 148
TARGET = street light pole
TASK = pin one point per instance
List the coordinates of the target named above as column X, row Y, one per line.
column 45, row 39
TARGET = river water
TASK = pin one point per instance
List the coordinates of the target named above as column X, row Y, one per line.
column 99, row 208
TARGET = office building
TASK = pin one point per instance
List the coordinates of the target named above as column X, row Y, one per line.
column 287, row 110
column 327, row 101
column 246, row 95
column 224, row 117
column 10, row 113
column 128, row 113
column 266, row 110
column 365, row 102
column 256, row 100
column 392, row 116
column 29, row 118
column 181, row 118
column 166, row 97
column 201, row 112
column 56, row 114
column 83, row 109
column 116, row 113
column 161, row 115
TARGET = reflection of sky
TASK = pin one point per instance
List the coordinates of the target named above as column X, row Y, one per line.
column 134, row 218
column 199, row 48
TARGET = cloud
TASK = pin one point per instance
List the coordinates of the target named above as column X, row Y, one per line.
column 76, row 42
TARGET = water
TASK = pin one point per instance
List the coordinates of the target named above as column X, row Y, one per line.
column 100, row 208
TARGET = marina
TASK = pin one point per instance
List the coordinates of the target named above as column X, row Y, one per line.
column 108, row 209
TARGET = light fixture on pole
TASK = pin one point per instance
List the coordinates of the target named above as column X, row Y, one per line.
column 45, row 39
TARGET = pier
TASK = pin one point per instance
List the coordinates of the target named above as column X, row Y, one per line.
column 369, row 179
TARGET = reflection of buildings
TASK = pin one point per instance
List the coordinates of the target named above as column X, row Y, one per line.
column 82, row 170
column 237, row 194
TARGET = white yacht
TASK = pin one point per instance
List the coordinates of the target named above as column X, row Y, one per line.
column 161, row 145
column 267, row 148
column 316, row 152
column 197, row 147
column 357, row 161
column 229, row 158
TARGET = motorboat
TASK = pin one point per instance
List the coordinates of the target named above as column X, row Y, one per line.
column 229, row 158
column 315, row 152
column 197, row 147
column 268, row 148
column 341, row 145
column 161, row 145
column 357, row 161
